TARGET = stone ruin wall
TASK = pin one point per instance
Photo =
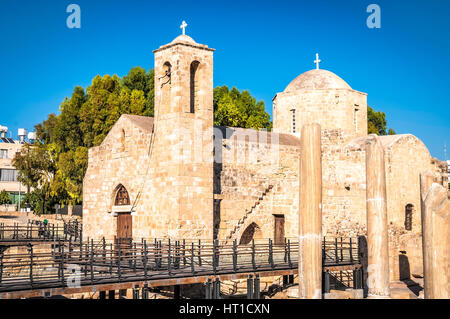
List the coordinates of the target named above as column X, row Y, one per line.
column 251, row 170
column 343, row 186
column 114, row 163
column 344, row 194
column 404, row 161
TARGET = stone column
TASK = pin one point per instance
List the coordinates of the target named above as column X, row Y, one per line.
column 377, row 228
column 426, row 179
column 310, row 216
column 435, row 238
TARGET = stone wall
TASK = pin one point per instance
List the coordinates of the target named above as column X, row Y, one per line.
column 256, row 178
column 342, row 109
column 343, row 185
column 406, row 157
column 182, row 154
column 122, row 159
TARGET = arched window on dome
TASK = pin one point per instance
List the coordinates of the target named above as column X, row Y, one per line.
column 293, row 127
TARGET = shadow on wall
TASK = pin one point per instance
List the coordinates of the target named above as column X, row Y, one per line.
column 405, row 274
column 77, row 210
column 404, row 267
column 363, row 257
column 249, row 234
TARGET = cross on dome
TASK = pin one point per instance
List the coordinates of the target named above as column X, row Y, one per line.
column 183, row 27
column 317, row 61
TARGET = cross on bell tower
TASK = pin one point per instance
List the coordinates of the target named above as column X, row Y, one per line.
column 183, row 27
column 317, row 61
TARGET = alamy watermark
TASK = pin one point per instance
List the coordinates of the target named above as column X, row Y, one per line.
column 374, row 19
column 74, row 19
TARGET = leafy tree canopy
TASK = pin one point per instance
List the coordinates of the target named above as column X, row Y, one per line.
column 4, row 198
column 376, row 123
column 239, row 109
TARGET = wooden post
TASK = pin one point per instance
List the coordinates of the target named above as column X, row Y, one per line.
column 377, row 228
column 112, row 294
column 192, row 259
column 235, row 255
column 310, row 216
column 435, row 238
column 176, row 292
column 250, row 287
column 145, row 259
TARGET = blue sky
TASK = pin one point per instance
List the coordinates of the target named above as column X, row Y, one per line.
column 261, row 46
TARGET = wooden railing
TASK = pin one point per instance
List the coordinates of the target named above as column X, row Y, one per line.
column 98, row 262
column 39, row 231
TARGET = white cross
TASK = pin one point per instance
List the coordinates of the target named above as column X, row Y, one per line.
column 317, row 61
column 183, row 26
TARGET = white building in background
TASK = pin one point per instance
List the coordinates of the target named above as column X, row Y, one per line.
column 448, row 170
column 8, row 174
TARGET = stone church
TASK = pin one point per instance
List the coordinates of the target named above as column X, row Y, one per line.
column 178, row 176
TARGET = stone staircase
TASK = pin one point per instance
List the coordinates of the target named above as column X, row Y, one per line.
column 248, row 212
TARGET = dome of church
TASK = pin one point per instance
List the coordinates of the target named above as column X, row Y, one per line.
column 317, row 79
column 183, row 38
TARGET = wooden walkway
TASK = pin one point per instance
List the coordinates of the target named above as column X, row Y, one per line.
column 99, row 266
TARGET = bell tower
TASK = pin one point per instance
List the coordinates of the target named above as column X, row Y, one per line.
column 183, row 136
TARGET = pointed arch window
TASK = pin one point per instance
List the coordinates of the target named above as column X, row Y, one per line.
column 122, row 197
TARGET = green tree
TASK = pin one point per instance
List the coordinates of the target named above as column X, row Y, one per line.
column 84, row 121
column 27, row 163
column 36, row 169
column 239, row 109
column 137, row 79
column 376, row 123
column 5, row 199
column 68, row 182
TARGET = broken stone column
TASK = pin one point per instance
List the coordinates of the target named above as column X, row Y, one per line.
column 310, row 216
column 427, row 178
column 435, row 238
column 377, row 227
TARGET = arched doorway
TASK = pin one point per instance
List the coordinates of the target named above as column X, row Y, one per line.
column 124, row 218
